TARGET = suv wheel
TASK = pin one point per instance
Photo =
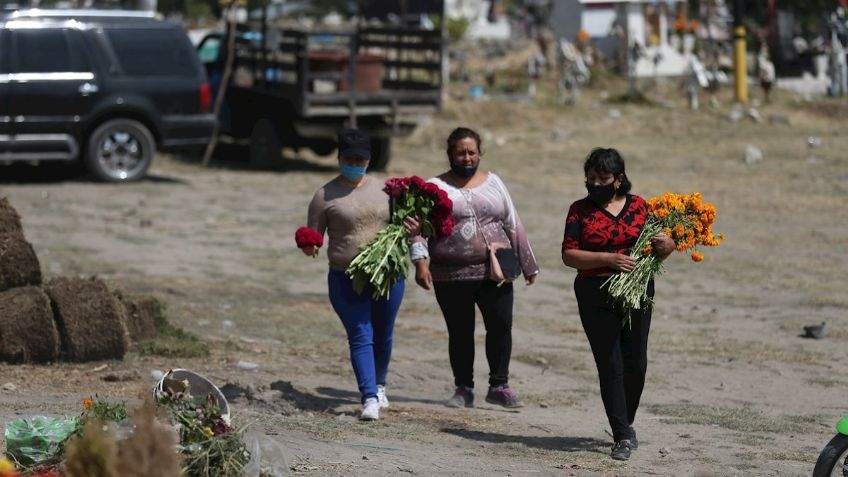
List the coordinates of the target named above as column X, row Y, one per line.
column 265, row 145
column 120, row 150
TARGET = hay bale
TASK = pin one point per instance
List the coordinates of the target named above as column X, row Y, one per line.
column 18, row 263
column 140, row 312
column 10, row 221
column 89, row 319
column 27, row 331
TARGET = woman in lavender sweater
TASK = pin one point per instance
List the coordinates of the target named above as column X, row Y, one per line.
column 457, row 268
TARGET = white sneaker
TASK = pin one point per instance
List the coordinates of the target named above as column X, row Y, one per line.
column 370, row 410
column 381, row 396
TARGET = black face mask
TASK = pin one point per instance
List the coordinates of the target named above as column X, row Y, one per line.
column 462, row 171
column 601, row 194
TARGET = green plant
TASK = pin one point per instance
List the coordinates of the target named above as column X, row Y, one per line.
column 457, row 27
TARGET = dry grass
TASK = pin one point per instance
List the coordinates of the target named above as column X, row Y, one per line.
column 744, row 419
column 708, row 343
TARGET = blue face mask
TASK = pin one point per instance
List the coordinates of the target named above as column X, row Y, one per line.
column 353, row 173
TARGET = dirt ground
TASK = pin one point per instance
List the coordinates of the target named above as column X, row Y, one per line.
column 733, row 389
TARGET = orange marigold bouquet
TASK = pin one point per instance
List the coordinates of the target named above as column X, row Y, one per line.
column 683, row 217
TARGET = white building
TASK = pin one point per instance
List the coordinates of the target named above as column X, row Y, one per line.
column 613, row 25
column 477, row 13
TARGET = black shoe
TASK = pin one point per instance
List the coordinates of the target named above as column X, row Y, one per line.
column 621, row 450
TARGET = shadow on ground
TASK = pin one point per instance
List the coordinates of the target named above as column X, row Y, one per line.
column 55, row 173
column 237, row 157
column 314, row 402
column 354, row 396
column 567, row 444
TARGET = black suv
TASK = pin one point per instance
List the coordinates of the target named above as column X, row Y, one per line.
column 106, row 87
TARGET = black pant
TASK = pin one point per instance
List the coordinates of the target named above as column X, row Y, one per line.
column 621, row 352
column 457, row 300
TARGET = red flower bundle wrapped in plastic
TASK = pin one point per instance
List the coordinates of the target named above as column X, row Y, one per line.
column 308, row 237
column 382, row 261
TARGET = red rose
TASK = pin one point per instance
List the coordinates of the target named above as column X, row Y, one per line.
column 396, row 186
column 417, row 182
column 307, row 237
column 443, row 209
column 445, row 227
column 431, row 189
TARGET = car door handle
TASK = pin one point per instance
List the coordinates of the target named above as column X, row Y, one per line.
column 87, row 88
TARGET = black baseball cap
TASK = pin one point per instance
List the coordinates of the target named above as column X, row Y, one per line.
column 353, row 142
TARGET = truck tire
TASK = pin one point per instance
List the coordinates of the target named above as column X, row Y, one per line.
column 323, row 147
column 119, row 150
column 265, row 145
column 381, row 152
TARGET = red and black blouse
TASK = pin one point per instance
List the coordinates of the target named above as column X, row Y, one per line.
column 589, row 227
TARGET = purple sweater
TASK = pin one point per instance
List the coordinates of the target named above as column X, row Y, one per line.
column 463, row 256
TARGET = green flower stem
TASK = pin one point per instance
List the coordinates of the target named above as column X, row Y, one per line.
column 630, row 289
column 381, row 262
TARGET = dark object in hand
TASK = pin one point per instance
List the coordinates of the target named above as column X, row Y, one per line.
column 508, row 262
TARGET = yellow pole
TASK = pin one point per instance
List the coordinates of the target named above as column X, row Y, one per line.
column 740, row 64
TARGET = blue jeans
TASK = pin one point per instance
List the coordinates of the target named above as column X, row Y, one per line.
column 369, row 324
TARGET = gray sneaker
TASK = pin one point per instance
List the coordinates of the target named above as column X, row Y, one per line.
column 621, row 450
column 503, row 395
column 462, row 397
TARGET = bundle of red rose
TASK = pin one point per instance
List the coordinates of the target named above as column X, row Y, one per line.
column 382, row 261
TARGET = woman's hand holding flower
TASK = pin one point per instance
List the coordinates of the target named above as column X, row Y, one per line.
column 308, row 240
column 621, row 262
column 412, row 226
column 663, row 245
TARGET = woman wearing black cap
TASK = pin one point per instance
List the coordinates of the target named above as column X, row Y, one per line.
column 351, row 209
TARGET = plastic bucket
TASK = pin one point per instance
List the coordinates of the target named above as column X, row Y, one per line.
column 199, row 386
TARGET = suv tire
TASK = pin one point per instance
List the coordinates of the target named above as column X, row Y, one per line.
column 119, row 150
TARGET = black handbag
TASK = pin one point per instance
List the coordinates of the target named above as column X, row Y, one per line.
column 508, row 261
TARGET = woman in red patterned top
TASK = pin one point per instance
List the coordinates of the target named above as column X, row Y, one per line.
column 600, row 231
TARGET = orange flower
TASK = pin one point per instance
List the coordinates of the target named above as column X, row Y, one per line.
column 7, row 469
column 647, row 250
column 87, row 403
column 697, row 256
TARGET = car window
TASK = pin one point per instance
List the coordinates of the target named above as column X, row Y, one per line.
column 42, row 51
column 209, row 50
column 153, row 52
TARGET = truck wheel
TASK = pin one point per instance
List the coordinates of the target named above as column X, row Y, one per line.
column 323, row 148
column 119, row 150
column 381, row 152
column 265, row 144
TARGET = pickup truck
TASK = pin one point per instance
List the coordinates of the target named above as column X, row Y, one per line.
column 296, row 88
